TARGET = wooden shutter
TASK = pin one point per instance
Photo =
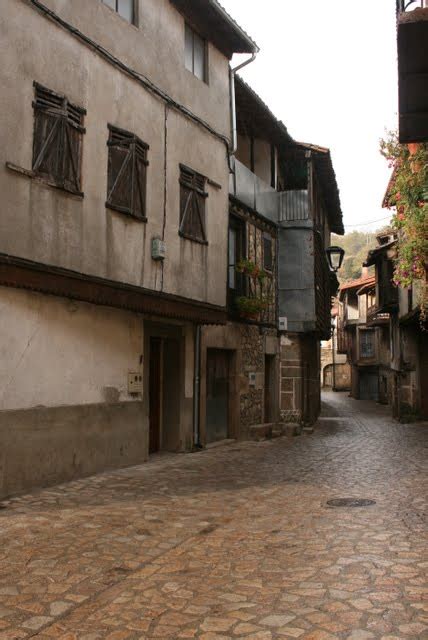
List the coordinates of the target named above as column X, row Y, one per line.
column 192, row 205
column 57, row 138
column 127, row 173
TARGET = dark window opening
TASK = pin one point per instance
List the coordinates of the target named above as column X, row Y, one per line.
column 124, row 8
column 195, row 54
column 192, row 205
column 267, row 252
column 237, row 252
column 57, row 143
column 127, row 173
column 367, row 347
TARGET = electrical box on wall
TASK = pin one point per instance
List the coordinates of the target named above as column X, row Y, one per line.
column 252, row 379
column 135, row 382
column 158, row 249
column 283, row 324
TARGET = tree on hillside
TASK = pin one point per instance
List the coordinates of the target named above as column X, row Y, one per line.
column 356, row 244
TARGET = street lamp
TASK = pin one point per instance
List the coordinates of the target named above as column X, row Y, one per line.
column 335, row 257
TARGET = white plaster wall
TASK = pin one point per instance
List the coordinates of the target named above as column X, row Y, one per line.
column 154, row 48
column 55, row 352
column 49, row 226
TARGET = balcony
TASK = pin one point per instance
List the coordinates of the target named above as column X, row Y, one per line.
column 245, row 186
column 293, row 207
column 375, row 318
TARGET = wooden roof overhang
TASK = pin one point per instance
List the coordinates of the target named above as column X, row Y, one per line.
column 254, row 118
column 412, row 42
column 386, row 250
column 328, row 183
column 213, row 23
column 26, row 274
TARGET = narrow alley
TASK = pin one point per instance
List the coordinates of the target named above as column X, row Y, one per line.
column 235, row 541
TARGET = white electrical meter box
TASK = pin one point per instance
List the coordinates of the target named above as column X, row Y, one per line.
column 158, row 249
column 252, row 379
column 135, row 382
column 283, row 324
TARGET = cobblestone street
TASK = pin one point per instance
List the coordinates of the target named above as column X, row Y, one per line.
column 236, row 541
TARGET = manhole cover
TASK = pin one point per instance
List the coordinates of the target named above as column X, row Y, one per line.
column 350, row 502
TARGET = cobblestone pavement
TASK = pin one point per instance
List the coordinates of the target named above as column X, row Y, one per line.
column 233, row 542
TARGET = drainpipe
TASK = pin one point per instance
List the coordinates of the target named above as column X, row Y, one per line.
column 233, row 72
column 196, row 389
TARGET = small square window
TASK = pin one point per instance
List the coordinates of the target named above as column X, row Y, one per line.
column 124, row 8
column 195, row 54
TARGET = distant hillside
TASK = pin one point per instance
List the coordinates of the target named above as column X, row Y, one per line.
column 356, row 244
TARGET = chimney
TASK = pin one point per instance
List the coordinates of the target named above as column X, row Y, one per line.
column 365, row 272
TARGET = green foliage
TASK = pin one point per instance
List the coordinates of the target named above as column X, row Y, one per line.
column 408, row 196
column 356, row 244
column 251, row 307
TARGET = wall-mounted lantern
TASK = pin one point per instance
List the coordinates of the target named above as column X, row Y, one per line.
column 335, row 257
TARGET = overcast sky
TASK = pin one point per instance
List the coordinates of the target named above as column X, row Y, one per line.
column 327, row 69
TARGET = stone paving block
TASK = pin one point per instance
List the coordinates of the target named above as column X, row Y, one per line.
column 233, row 542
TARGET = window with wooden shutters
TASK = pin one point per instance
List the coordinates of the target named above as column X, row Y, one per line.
column 127, row 173
column 57, row 144
column 192, row 205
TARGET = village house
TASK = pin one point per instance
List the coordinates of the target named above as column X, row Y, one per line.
column 408, row 351
column 284, row 202
column 363, row 335
column 335, row 368
column 113, row 228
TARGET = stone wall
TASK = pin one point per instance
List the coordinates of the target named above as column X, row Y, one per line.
column 251, row 402
column 300, row 378
column 249, row 345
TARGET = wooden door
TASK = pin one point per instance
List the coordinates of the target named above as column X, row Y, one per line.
column 155, row 394
column 217, row 418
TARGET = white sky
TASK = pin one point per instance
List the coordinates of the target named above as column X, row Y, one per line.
column 327, row 69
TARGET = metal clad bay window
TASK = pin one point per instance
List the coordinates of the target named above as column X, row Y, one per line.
column 124, row 8
column 195, row 54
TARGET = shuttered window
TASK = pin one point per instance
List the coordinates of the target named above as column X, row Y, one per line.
column 127, row 173
column 57, row 143
column 192, row 205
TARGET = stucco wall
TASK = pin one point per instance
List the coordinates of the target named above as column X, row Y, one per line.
column 57, row 352
column 50, row 226
column 154, row 48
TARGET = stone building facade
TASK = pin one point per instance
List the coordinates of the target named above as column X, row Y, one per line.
column 113, row 227
column 240, row 362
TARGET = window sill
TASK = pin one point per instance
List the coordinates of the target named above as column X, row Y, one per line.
column 192, row 238
column 43, row 180
column 125, row 212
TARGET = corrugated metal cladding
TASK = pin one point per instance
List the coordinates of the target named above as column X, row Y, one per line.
column 294, row 205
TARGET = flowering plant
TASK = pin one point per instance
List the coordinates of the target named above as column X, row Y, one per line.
column 408, row 195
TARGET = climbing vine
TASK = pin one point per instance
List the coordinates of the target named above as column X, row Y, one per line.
column 407, row 195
